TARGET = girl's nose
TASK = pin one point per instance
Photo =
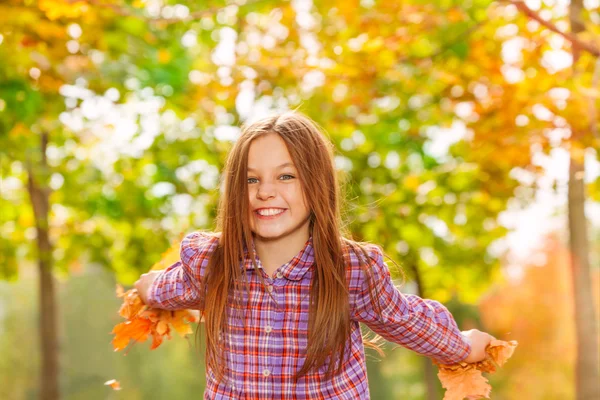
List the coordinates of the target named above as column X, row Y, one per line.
column 265, row 191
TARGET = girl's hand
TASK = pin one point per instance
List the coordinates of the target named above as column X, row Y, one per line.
column 143, row 284
column 479, row 341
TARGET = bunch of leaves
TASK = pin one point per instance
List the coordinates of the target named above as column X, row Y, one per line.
column 465, row 380
column 143, row 322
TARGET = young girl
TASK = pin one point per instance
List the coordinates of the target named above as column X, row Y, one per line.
column 282, row 291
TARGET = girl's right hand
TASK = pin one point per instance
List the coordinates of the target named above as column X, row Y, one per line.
column 143, row 284
column 479, row 341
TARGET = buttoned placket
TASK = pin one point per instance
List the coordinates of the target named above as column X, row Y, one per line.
column 279, row 285
column 267, row 328
column 272, row 329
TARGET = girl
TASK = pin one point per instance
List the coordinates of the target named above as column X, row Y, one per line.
column 282, row 291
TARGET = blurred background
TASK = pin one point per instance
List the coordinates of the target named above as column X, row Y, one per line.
column 466, row 135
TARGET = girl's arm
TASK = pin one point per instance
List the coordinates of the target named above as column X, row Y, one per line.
column 180, row 285
column 422, row 325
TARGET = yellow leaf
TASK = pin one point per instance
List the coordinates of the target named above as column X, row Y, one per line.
column 171, row 256
column 162, row 327
column 178, row 323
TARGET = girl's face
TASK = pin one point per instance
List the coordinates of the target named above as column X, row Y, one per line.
column 277, row 205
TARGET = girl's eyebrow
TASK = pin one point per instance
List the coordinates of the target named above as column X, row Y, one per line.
column 287, row 164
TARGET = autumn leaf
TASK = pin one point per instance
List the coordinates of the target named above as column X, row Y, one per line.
column 113, row 384
column 468, row 383
column 136, row 329
column 178, row 320
column 143, row 322
column 465, row 380
column 170, row 256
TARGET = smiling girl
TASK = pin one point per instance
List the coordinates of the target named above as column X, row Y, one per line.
column 282, row 290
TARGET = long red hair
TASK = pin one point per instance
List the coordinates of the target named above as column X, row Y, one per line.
column 329, row 314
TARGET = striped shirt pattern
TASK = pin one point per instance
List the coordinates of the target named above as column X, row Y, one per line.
column 264, row 354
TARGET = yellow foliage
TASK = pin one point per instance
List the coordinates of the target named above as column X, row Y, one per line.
column 55, row 9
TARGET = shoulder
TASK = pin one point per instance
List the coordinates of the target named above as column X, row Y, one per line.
column 197, row 247
column 356, row 253
column 362, row 260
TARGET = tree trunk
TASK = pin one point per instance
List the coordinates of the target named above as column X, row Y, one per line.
column 431, row 388
column 586, row 369
column 39, row 194
column 587, row 386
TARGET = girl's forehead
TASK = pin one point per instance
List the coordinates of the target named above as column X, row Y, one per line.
column 252, row 167
column 269, row 151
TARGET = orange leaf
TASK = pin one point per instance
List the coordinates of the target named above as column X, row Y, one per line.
column 468, row 383
column 113, row 384
column 466, row 380
column 143, row 322
column 136, row 330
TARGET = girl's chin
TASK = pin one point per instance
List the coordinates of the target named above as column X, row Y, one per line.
column 272, row 233
column 268, row 234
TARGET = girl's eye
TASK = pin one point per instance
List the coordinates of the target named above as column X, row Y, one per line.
column 285, row 177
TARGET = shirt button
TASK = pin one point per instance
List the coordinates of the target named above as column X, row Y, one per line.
column 268, row 329
column 279, row 275
column 266, row 372
column 270, row 288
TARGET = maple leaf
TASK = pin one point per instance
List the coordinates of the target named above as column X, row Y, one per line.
column 113, row 384
column 143, row 322
column 465, row 380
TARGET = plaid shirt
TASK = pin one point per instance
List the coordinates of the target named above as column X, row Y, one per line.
column 263, row 357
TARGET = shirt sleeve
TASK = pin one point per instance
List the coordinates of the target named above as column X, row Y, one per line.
column 180, row 286
column 421, row 325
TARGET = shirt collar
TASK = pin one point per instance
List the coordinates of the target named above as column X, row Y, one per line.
column 295, row 268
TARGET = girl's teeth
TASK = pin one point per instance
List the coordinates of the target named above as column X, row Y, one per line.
column 270, row 212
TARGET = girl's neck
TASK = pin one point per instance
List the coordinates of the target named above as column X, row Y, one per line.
column 273, row 253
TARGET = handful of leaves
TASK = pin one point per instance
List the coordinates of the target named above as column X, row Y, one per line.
column 143, row 322
column 464, row 380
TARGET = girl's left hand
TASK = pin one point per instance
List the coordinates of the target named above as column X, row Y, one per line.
column 479, row 341
column 143, row 284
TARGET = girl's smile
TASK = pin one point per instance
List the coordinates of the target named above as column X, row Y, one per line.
column 269, row 213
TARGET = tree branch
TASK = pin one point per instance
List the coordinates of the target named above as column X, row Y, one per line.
column 574, row 39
